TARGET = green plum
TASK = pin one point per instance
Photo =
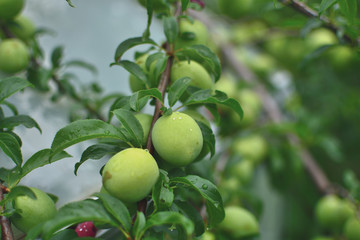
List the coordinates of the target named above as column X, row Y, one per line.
column 197, row 116
column 131, row 206
column 251, row 105
column 239, row 222
column 32, row 211
column 235, row 8
column 208, row 236
column 243, row 170
column 130, row 174
column 23, row 28
column 14, row 56
column 227, row 84
column 352, row 229
column 320, row 37
column 10, row 8
column 145, row 121
column 136, row 84
column 191, row 33
column 200, row 77
column 177, row 138
column 253, row 147
column 332, row 212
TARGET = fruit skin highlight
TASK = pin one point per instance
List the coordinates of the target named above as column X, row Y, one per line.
column 239, row 222
column 14, row 56
column 177, row 138
column 10, row 8
column 130, row 174
column 33, row 211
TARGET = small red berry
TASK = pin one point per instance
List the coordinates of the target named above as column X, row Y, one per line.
column 86, row 229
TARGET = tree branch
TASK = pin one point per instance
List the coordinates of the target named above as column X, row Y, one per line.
column 306, row 10
column 6, row 231
column 271, row 108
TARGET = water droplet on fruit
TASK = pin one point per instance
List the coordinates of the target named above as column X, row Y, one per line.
column 174, row 118
column 179, row 117
column 204, row 186
column 190, row 129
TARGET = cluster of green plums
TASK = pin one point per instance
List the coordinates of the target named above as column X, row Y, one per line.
column 338, row 216
column 14, row 53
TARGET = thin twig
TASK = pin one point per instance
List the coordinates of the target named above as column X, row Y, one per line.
column 6, row 231
column 306, row 10
column 271, row 108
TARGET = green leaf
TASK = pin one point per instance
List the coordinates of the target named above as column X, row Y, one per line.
column 11, row 106
column 170, row 28
column 315, row 54
column 149, row 10
column 40, row 78
column 157, row 71
column 11, row 85
column 214, row 112
column 214, row 204
column 208, row 136
column 326, row 4
column 204, row 56
column 177, row 89
column 82, row 64
column 134, row 69
column 129, row 43
column 11, row 147
column 184, row 5
column 77, row 212
column 83, row 130
column 192, row 213
column 162, row 194
column 136, row 100
column 40, row 159
column 349, row 9
column 139, row 225
column 34, row 232
column 153, row 58
column 96, row 151
column 121, row 102
column 11, row 122
column 131, row 125
column 10, row 176
column 66, row 234
column 205, row 96
column 164, row 218
column 56, row 57
column 70, row 3
column 16, row 192
column 117, row 209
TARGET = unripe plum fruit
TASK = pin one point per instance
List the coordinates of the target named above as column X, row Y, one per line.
column 136, row 84
column 198, row 31
column 320, row 37
column 14, row 56
column 332, row 212
column 32, row 211
column 10, row 8
column 227, row 85
column 252, row 147
column 23, row 28
column 208, row 236
column 130, row 174
column 145, row 121
column 239, row 222
column 352, row 229
column 86, row 229
column 251, row 105
column 243, row 170
column 177, row 138
column 200, row 77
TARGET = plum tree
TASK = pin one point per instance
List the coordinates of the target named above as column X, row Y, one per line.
column 145, row 121
column 198, row 74
column 239, row 222
column 32, row 211
column 14, row 56
column 352, row 229
column 10, row 8
column 177, row 138
column 130, row 174
column 191, row 33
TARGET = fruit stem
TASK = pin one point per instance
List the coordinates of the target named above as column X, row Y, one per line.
column 6, row 232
